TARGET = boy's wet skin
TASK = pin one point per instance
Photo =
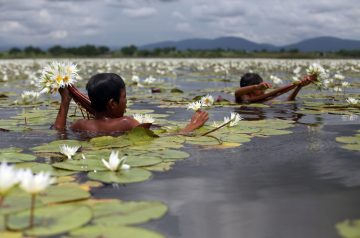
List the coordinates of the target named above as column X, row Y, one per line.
column 107, row 94
column 252, row 89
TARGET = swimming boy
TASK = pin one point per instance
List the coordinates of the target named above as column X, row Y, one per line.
column 252, row 89
column 107, row 94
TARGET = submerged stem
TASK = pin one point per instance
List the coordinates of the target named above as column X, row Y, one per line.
column 2, row 198
column 32, row 209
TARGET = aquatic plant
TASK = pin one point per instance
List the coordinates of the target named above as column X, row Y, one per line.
column 115, row 163
column 57, row 75
column 69, row 151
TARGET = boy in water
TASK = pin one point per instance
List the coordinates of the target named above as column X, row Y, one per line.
column 107, row 94
column 252, row 89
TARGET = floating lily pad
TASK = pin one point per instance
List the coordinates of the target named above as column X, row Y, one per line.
column 169, row 155
column 349, row 229
column 133, row 175
column 81, row 165
column 127, row 213
column 51, row 220
column 15, row 157
column 113, row 232
column 63, row 193
column 54, row 146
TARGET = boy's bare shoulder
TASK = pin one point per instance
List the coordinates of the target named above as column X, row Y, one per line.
column 105, row 125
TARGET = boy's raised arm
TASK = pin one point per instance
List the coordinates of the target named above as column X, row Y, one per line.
column 305, row 81
column 60, row 121
column 198, row 119
column 242, row 91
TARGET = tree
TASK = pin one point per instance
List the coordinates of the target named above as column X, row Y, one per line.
column 129, row 50
column 57, row 50
column 14, row 51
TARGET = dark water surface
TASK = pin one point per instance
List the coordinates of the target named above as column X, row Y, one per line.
column 296, row 185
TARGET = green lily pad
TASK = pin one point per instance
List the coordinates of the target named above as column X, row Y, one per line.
column 10, row 234
column 38, row 167
column 113, row 232
column 15, row 157
column 133, row 175
column 349, row 229
column 63, row 193
column 54, row 146
column 127, row 213
column 10, row 150
column 81, row 165
column 355, row 147
column 109, row 142
column 348, row 139
column 140, row 135
column 169, row 155
column 142, row 160
column 16, row 201
column 203, row 140
column 51, row 220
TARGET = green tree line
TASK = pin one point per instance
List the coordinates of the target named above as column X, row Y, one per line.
column 133, row 51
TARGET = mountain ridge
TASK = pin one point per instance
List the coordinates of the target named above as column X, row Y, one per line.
column 323, row 43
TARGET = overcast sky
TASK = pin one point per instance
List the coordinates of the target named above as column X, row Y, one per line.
column 122, row 22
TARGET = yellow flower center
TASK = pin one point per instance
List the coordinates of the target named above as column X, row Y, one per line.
column 66, row 79
column 59, row 79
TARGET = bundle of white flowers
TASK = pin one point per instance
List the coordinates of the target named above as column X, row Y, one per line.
column 143, row 118
column 317, row 71
column 57, row 75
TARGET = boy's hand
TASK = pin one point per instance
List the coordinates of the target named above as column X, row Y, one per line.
column 65, row 95
column 263, row 86
column 198, row 119
column 306, row 80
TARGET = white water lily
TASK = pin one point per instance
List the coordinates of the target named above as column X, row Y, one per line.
column 207, row 101
column 141, row 118
column 34, row 183
column 234, row 119
column 57, row 75
column 115, row 163
column 345, row 84
column 69, row 151
column 318, row 71
column 275, row 79
column 194, row 106
column 28, row 97
column 352, row 101
column 135, row 79
column 150, row 80
column 337, row 89
column 215, row 124
column 8, row 177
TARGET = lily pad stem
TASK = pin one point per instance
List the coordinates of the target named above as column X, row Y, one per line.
column 217, row 128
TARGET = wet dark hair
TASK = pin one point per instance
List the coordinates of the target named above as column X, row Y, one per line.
column 250, row 79
column 103, row 87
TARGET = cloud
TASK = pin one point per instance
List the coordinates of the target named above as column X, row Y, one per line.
column 127, row 22
column 140, row 12
column 61, row 34
column 184, row 27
